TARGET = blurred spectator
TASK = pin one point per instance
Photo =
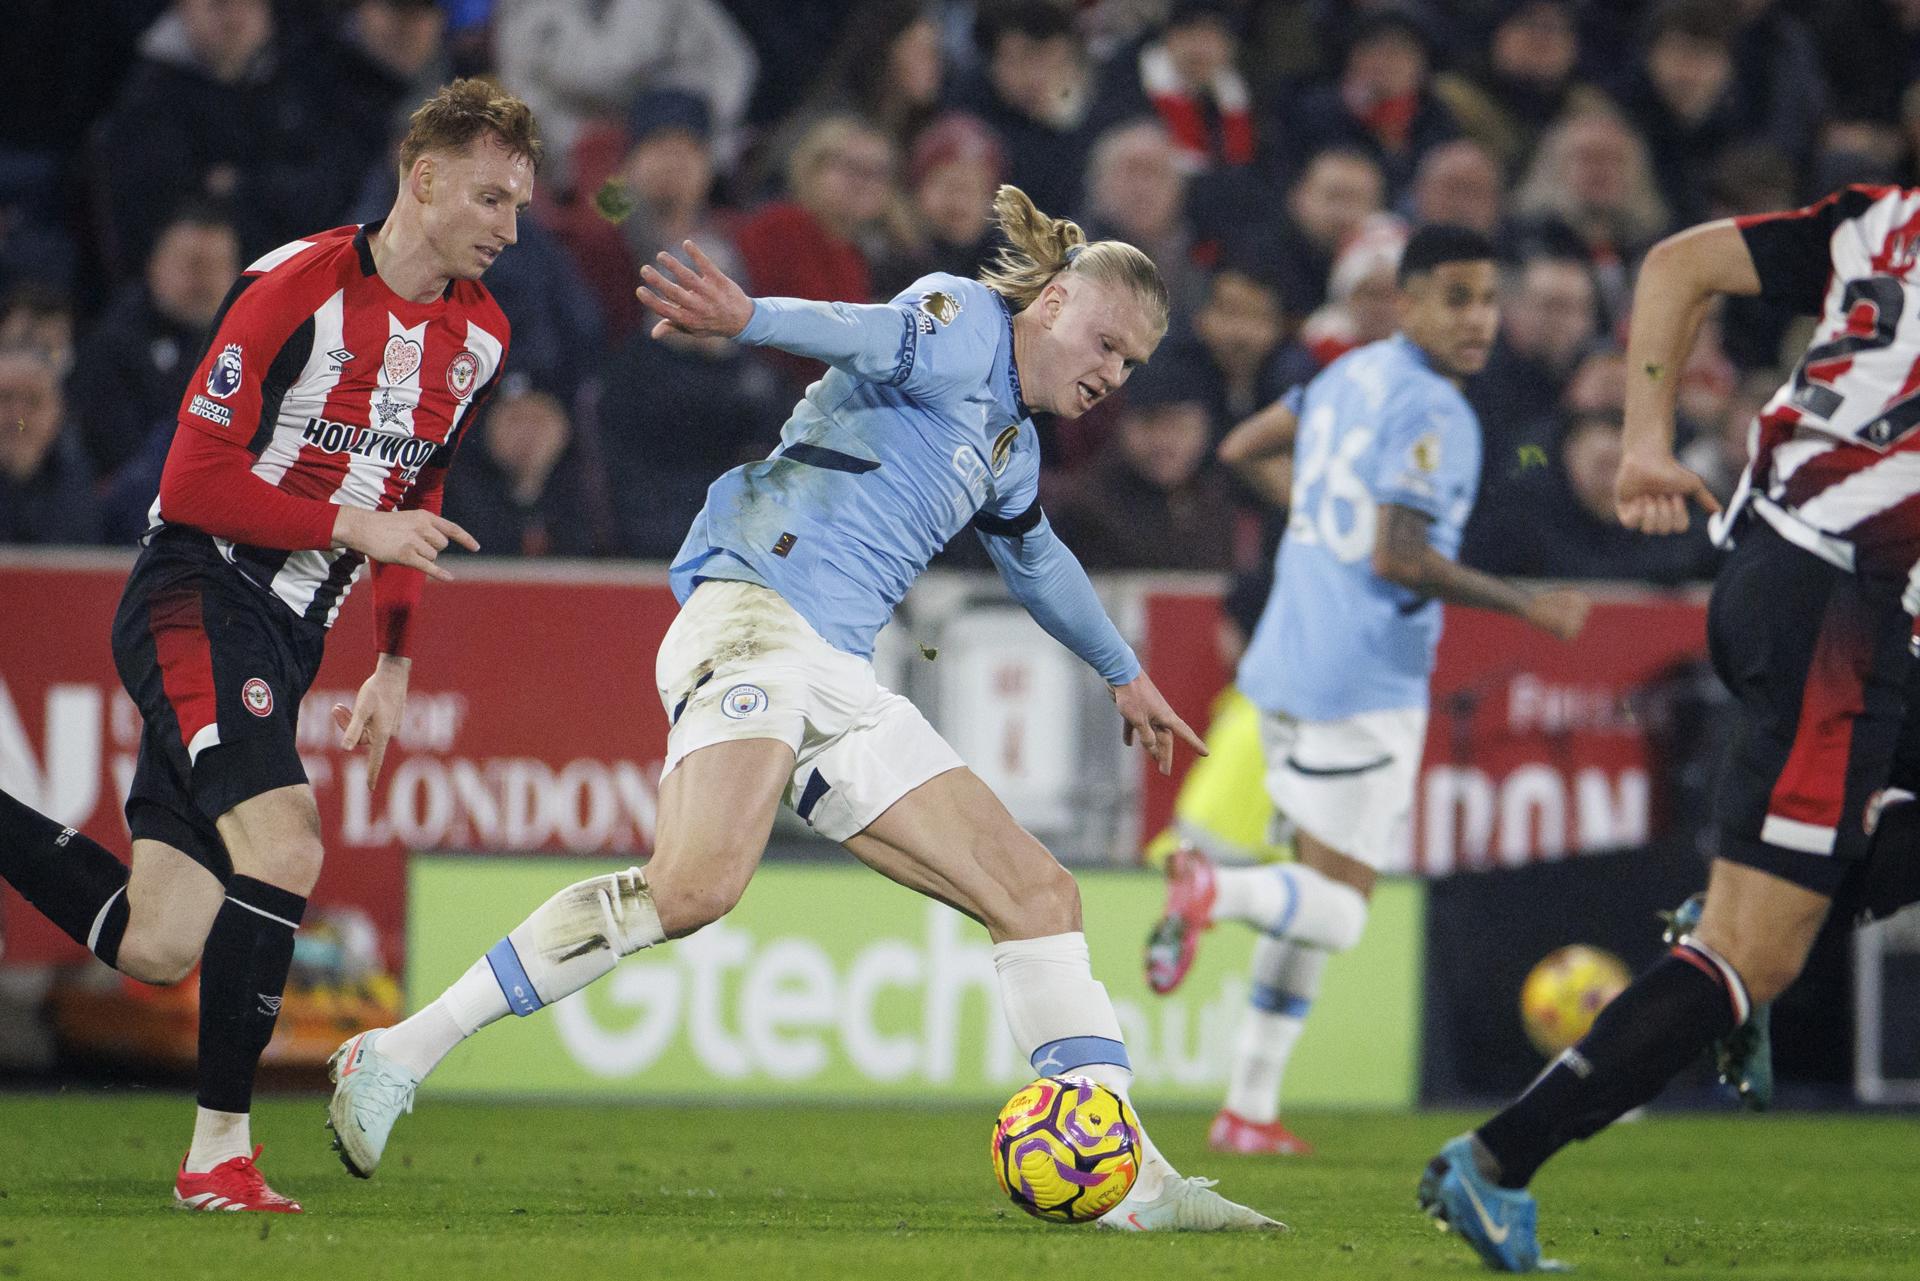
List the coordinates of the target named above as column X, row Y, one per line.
column 131, row 370
column 1153, row 498
column 841, row 180
column 1189, row 76
column 46, row 487
column 1362, row 300
column 666, row 183
column 1240, row 328
column 1549, row 321
column 393, row 56
column 1336, row 192
column 952, row 174
column 1383, row 103
column 1599, row 383
column 1590, row 191
column 675, row 412
column 220, row 107
column 1560, row 522
column 1780, row 79
column 573, row 60
column 1136, row 193
column 1682, row 97
column 1033, row 89
column 40, row 316
column 1529, row 79
column 521, row 489
column 887, row 68
column 1459, row 183
column 1719, row 453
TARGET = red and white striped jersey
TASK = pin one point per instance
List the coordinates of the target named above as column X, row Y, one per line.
column 342, row 391
column 1836, row 457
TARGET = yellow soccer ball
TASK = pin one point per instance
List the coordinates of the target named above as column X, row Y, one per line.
column 1566, row 991
column 1066, row 1149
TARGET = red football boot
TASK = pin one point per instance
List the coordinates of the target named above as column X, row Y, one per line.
column 1231, row 1132
column 1175, row 939
column 234, row 1184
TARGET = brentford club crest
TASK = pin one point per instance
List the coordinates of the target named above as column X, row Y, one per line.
column 461, row 372
column 258, row 697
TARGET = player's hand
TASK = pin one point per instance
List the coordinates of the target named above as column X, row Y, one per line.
column 413, row 538
column 701, row 300
column 375, row 713
column 1152, row 721
column 1562, row 612
column 1652, row 491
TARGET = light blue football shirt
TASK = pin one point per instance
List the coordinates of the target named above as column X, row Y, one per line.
column 883, row 461
column 1377, row 426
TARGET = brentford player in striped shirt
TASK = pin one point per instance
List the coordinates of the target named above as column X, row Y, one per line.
column 314, row 437
column 1808, row 626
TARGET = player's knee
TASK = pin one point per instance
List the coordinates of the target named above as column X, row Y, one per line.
column 159, row 959
column 1346, row 918
column 292, row 863
column 1047, row 902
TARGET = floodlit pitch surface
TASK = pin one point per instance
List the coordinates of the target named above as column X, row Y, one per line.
column 533, row 1191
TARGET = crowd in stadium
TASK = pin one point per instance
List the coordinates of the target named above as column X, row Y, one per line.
column 1270, row 155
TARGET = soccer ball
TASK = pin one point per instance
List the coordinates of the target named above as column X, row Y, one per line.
column 1066, row 1149
column 1566, row 991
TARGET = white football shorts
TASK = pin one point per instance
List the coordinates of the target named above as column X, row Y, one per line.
column 739, row 662
column 1350, row 783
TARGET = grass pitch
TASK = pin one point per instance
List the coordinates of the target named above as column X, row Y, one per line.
column 534, row 1191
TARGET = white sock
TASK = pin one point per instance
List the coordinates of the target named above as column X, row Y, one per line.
column 1063, row 1021
column 569, row 941
column 1286, row 978
column 1292, row 900
column 217, row 1137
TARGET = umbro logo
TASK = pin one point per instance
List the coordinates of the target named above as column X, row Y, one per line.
column 269, row 1005
column 339, row 356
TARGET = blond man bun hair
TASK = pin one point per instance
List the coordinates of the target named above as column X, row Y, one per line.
column 1040, row 248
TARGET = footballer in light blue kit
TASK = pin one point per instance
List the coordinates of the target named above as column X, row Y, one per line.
column 920, row 428
column 1386, row 459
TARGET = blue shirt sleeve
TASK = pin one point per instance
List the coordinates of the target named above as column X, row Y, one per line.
column 1426, row 445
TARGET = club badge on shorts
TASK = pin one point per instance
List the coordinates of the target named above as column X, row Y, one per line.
column 258, row 697
column 743, row 701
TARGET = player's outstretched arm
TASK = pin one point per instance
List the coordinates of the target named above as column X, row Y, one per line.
column 1402, row 555
column 1679, row 280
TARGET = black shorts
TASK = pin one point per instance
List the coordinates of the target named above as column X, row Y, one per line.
column 1816, row 659
column 217, row 667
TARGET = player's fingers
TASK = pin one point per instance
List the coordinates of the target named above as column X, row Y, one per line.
column 342, row 716
column 698, row 258
column 1176, row 726
column 682, row 273
column 356, row 726
column 1163, row 752
column 376, row 754
column 428, row 566
column 448, row 529
column 665, row 290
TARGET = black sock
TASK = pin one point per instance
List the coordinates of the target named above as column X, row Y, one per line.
column 1644, row 1037
column 68, row 877
column 243, row 973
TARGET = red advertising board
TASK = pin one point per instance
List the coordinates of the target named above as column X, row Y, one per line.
column 532, row 723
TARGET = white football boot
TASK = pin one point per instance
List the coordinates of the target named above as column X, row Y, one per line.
column 370, row 1091
column 1187, row 1204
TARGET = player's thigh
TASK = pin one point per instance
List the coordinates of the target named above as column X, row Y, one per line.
column 952, row 839
column 716, row 812
column 274, row 836
column 172, row 899
column 1315, row 853
column 1761, row 924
